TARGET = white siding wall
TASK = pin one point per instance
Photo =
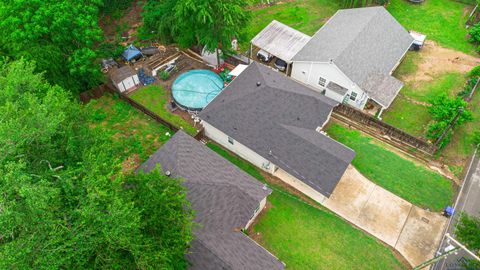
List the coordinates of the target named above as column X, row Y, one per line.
column 257, row 212
column 300, row 186
column 309, row 73
column 237, row 148
column 128, row 83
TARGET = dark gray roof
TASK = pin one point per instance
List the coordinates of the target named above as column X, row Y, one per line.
column 277, row 120
column 224, row 199
column 361, row 42
column 119, row 74
column 337, row 88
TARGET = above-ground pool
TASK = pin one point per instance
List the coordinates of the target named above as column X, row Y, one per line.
column 193, row 90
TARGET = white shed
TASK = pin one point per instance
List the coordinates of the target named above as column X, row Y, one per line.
column 125, row 78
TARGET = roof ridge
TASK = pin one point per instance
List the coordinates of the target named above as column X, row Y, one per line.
column 362, row 29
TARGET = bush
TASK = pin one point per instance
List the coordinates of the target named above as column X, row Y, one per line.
column 474, row 33
column 164, row 75
column 475, row 72
column 443, row 110
column 467, row 89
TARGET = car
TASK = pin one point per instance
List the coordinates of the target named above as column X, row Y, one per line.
column 264, row 56
column 280, row 64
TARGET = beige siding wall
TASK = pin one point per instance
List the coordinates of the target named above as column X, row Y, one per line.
column 237, row 148
column 257, row 212
column 300, row 186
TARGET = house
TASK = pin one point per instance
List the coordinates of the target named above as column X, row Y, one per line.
column 352, row 57
column 274, row 123
column 125, row 78
column 225, row 200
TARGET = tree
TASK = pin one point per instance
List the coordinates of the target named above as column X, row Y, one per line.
column 210, row 23
column 444, row 110
column 66, row 204
column 468, row 233
column 59, row 35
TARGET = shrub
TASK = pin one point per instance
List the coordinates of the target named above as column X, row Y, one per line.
column 164, row 75
column 443, row 110
column 467, row 89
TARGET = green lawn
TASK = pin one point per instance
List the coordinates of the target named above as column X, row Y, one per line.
column 441, row 20
column 306, row 16
column 155, row 98
column 307, row 237
column 407, row 116
column 409, row 111
column 136, row 133
column 403, row 177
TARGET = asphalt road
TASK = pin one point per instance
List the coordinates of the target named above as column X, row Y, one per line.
column 469, row 202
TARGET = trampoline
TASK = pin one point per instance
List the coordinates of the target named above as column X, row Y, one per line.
column 193, row 90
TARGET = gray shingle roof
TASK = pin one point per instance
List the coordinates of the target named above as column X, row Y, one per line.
column 224, row 199
column 361, row 42
column 119, row 74
column 277, row 120
column 382, row 88
column 280, row 40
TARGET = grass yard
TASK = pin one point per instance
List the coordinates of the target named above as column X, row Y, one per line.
column 441, row 20
column 155, row 98
column 407, row 116
column 307, row 237
column 409, row 110
column 306, row 16
column 403, row 177
column 136, row 133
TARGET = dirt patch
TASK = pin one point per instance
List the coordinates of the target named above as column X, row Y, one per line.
column 436, row 60
column 130, row 164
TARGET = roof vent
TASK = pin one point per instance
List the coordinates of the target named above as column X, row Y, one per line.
column 259, row 83
column 168, row 173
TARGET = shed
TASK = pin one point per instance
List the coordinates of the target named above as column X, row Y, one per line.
column 124, row 78
column 280, row 40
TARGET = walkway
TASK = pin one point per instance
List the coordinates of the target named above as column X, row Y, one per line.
column 412, row 231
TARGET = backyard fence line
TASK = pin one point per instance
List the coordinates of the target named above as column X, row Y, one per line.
column 469, row 20
column 381, row 130
column 469, row 98
column 106, row 88
column 95, row 93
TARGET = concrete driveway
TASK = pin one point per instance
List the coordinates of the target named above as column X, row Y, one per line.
column 414, row 232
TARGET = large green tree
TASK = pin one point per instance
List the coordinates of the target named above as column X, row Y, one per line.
column 65, row 202
column 210, row 23
column 59, row 35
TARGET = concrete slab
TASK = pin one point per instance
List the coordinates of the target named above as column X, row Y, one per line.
column 386, row 216
column 421, row 234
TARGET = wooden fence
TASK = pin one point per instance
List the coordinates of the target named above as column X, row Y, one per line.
column 381, row 130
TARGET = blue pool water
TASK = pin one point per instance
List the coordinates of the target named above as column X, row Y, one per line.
column 193, row 90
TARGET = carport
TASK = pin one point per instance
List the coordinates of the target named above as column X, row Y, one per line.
column 280, row 41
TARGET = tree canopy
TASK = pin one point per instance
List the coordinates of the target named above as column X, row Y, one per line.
column 59, row 35
column 66, row 204
column 210, row 23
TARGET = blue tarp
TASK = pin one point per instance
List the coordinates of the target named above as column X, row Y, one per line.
column 131, row 53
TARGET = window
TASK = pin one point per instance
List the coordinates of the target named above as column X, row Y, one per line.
column 324, row 92
column 322, row 82
column 353, row 96
column 230, row 140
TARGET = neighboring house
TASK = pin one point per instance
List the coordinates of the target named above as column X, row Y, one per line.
column 274, row 123
column 352, row 57
column 125, row 78
column 225, row 199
